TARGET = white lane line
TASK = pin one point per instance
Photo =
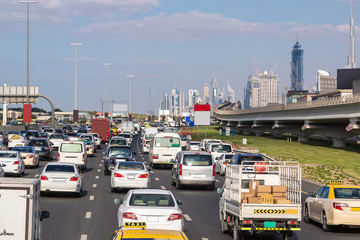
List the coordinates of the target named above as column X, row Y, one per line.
column 156, row 179
column 88, row 215
column 204, row 239
column 216, row 180
column 83, row 237
column 100, row 165
column 162, row 187
column 94, row 185
column 187, row 217
column 97, row 177
column 151, row 172
column 92, row 197
column 36, row 175
column 99, row 170
column 143, row 158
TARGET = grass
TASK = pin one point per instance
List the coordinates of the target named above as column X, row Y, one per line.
column 320, row 162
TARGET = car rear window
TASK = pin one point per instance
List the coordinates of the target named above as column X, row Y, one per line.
column 167, row 142
column 249, row 160
column 8, row 155
column 59, row 168
column 38, row 143
column 23, row 150
column 72, row 134
column 228, row 156
column 154, row 200
column 123, row 150
column 197, row 160
column 130, row 166
column 71, row 147
column 351, row 193
column 57, row 136
column 195, row 143
column 118, row 142
column 58, row 131
column 220, row 148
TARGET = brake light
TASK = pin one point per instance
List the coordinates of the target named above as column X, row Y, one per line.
column 118, row 175
column 180, row 169
column 175, row 216
column 129, row 215
column 47, row 147
column 143, row 176
column 83, row 157
column 210, row 152
column 213, row 170
column 31, row 156
column 155, row 156
column 16, row 163
column 73, row 179
column 22, row 142
column 224, row 163
column 339, row 206
column 44, row 178
column 58, row 156
column 144, row 145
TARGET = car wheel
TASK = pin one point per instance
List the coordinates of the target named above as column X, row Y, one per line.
column 112, row 189
column 177, row 185
column 211, row 187
column 325, row 227
column 306, row 215
column 79, row 194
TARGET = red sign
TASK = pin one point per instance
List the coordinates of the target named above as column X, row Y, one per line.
column 202, row 107
column 76, row 115
column 27, row 113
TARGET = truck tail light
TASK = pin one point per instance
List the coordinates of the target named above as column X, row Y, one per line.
column 31, row 156
column 143, row 176
column 83, row 157
column 224, row 163
column 118, row 175
column 213, row 170
column 175, row 216
column 73, row 179
column 58, row 156
column 16, row 163
column 339, row 206
column 180, row 169
column 292, row 222
column 44, row 178
column 155, row 156
column 129, row 215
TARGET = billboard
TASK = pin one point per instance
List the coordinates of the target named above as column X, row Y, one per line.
column 120, row 108
column 202, row 114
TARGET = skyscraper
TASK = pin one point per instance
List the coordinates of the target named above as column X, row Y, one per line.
column 206, row 94
column 231, row 93
column 297, row 68
column 351, row 57
column 191, row 98
column 181, row 102
column 214, row 92
column 324, row 82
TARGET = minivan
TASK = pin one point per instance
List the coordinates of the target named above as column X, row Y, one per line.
column 163, row 148
column 73, row 152
column 193, row 168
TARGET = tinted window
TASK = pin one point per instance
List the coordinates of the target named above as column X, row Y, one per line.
column 325, row 193
column 167, row 142
column 249, row 159
column 227, row 156
column 318, row 192
column 194, row 143
column 59, row 168
column 58, row 136
column 8, row 155
column 58, row 131
column 71, row 147
column 23, row 150
column 155, row 200
column 118, row 142
column 131, row 166
column 197, row 160
column 32, row 134
column 116, row 151
column 351, row 193
column 72, row 134
column 38, row 143
column 221, row 148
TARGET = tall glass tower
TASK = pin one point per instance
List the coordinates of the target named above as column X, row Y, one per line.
column 297, row 68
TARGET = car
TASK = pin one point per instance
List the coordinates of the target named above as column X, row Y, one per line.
column 115, row 154
column 193, row 146
column 97, row 139
column 56, row 139
column 16, row 140
column 44, row 135
column 73, row 136
column 139, row 231
column 217, row 149
column 238, row 158
column 90, row 150
column 193, row 168
column 184, row 142
column 61, row 177
column 43, row 147
column 127, row 136
column 90, row 138
column 29, row 155
column 23, row 133
column 129, row 175
column 12, row 162
column 146, row 146
column 74, row 152
column 48, row 130
column 205, row 141
column 82, row 130
column 32, row 134
column 221, row 162
column 59, row 131
column 67, row 129
column 117, row 141
column 156, row 207
column 334, row 204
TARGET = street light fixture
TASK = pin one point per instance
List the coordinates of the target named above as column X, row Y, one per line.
column 76, row 45
column 27, row 62
column 130, row 76
column 106, row 99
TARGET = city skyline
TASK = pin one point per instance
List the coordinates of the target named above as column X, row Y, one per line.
column 144, row 38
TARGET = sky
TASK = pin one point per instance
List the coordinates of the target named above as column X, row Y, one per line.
column 168, row 43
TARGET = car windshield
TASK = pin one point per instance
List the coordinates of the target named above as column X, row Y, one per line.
column 249, row 160
column 116, row 151
column 124, row 135
column 58, row 136
column 154, row 200
column 197, row 160
column 195, row 143
column 167, row 142
column 48, row 130
column 130, row 166
column 13, row 132
column 23, row 150
column 38, row 143
column 220, row 148
column 72, row 134
column 8, row 155
column 71, row 147
column 118, row 142
column 351, row 193
column 60, row 168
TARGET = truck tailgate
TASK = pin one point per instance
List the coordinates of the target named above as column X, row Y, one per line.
column 271, row 211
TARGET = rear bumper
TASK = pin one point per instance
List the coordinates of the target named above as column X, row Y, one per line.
column 59, row 186
column 129, row 183
column 337, row 217
column 197, row 182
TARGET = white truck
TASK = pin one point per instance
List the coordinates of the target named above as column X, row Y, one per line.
column 20, row 216
column 245, row 213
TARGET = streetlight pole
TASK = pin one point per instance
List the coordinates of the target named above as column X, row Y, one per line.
column 130, row 77
column 149, row 97
column 76, row 44
column 27, row 62
column 106, row 69
column 102, row 107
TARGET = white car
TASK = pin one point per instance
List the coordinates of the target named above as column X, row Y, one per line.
column 157, row 207
column 129, row 175
column 17, row 141
column 217, row 149
column 61, row 177
column 12, row 162
column 193, row 146
column 97, row 139
column 221, row 162
column 56, row 139
column 90, row 138
column 146, row 146
column 2, row 172
column 73, row 136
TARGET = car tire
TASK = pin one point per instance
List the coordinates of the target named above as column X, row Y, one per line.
column 306, row 215
column 324, row 226
column 288, row 235
column 112, row 189
column 79, row 194
column 177, row 185
column 211, row 187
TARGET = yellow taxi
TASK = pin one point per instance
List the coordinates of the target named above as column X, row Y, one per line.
column 334, row 204
column 137, row 230
column 114, row 128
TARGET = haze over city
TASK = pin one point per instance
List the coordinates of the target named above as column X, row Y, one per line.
column 180, row 44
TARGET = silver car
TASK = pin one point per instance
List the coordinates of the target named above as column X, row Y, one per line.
column 193, row 168
column 12, row 162
column 221, row 162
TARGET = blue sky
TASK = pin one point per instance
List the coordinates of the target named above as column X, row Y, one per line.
column 167, row 43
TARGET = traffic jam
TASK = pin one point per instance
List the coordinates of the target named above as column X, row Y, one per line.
column 257, row 196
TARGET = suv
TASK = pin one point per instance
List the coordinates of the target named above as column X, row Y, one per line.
column 42, row 146
column 115, row 154
column 32, row 134
column 193, row 168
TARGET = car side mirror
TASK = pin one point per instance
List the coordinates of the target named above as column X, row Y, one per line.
column 180, row 202
column 118, row 201
column 44, row 215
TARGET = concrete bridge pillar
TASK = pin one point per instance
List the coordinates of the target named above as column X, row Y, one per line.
column 246, row 132
column 303, row 139
column 338, row 143
column 258, row 134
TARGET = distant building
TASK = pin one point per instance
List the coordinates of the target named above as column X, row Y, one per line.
column 191, row 98
column 206, row 94
column 181, row 102
column 325, row 83
column 297, row 68
column 231, row 93
column 214, row 92
column 294, row 96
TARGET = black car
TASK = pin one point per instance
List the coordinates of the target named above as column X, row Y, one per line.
column 241, row 158
column 115, row 154
column 32, row 134
column 42, row 146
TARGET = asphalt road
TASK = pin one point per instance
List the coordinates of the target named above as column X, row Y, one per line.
column 93, row 216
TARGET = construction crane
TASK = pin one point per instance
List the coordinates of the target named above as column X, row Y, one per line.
column 273, row 70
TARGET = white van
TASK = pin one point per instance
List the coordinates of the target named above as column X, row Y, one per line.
column 73, row 152
column 217, row 149
column 163, row 148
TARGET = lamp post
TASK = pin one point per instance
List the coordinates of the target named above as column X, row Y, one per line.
column 27, row 62
column 106, row 99
column 76, row 45
column 130, row 76
column 149, row 97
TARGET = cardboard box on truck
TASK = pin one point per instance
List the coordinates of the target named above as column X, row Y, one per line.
column 278, row 189
column 282, row 201
column 252, row 186
column 263, row 189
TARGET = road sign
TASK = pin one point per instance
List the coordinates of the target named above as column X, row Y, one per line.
column 202, row 114
column 18, row 94
column 187, row 119
column 191, row 124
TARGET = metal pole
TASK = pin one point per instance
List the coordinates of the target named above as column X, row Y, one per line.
column 76, row 44
column 106, row 84
column 102, row 107
column 130, row 76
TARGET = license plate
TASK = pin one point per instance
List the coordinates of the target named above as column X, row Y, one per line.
column 131, row 176
column 19, row 145
column 153, row 219
column 196, row 175
column 59, row 179
column 355, row 209
column 270, row 224
column 38, row 148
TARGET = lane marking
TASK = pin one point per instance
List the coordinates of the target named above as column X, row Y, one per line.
column 162, row 187
column 83, row 237
column 100, row 165
column 304, row 192
column 94, row 185
column 36, row 175
column 99, row 170
column 88, row 215
column 216, row 180
column 156, row 179
column 204, row 239
column 151, row 172
column 187, row 217
column 92, row 197
column 97, row 177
